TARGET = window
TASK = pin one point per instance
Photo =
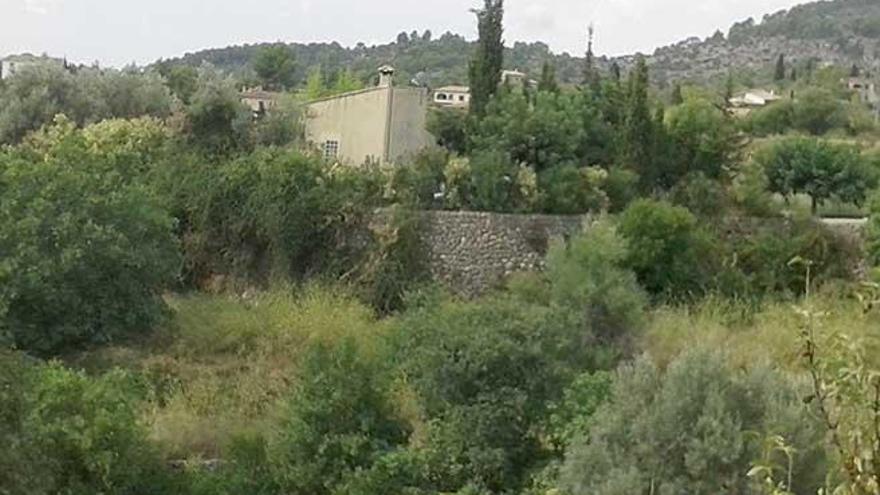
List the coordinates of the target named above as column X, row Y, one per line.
column 331, row 149
column 441, row 96
column 461, row 98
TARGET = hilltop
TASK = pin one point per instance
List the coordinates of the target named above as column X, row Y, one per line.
column 839, row 32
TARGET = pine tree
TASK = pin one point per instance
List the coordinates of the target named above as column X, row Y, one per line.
column 794, row 75
column 638, row 128
column 485, row 68
column 780, row 68
column 855, row 71
column 548, row 79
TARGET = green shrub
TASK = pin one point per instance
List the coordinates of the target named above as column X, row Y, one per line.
column 338, row 422
column 567, row 190
column 395, row 263
column 587, row 276
column 23, row 467
column 697, row 428
column 873, row 230
column 777, row 118
column 274, row 213
column 89, row 434
column 417, row 183
column 621, row 186
column 670, row 254
column 703, row 196
column 817, row 111
column 572, row 416
column 88, row 249
column 483, row 374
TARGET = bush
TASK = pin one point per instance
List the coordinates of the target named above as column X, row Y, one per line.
column 697, row 428
column 483, row 374
column 448, row 126
column 764, row 257
column 818, row 111
column 274, row 213
column 777, row 118
column 873, row 230
column 587, row 276
column 670, row 254
column 703, row 141
column 23, row 468
column 568, row 190
column 418, row 183
column 703, row 196
column 338, row 422
column 89, row 250
column 90, row 432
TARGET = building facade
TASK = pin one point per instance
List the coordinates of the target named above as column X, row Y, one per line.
column 383, row 124
column 452, row 96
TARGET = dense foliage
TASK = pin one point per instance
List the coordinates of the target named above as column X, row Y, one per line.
column 89, row 249
column 253, row 318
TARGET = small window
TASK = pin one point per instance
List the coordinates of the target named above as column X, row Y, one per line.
column 461, row 98
column 331, row 149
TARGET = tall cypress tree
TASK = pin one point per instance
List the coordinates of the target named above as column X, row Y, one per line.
column 638, row 127
column 591, row 74
column 677, row 98
column 615, row 72
column 780, row 68
column 485, row 68
column 548, row 79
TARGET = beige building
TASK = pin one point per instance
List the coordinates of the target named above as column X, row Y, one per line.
column 383, row 124
column 452, row 96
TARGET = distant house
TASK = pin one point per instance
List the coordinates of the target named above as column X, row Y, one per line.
column 755, row 98
column 743, row 104
column 384, row 124
column 460, row 96
column 865, row 88
column 452, row 96
column 12, row 64
column 259, row 100
column 514, row 78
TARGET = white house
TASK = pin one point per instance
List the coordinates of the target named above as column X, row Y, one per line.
column 452, row 96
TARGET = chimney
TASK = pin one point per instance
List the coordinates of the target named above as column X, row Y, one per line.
column 386, row 76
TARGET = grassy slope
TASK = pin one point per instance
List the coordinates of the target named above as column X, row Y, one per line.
column 223, row 365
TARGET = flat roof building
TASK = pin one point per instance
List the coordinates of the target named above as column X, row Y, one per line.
column 383, row 124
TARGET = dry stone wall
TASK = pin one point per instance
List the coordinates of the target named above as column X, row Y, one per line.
column 472, row 252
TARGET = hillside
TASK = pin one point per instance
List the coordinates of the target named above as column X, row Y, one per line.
column 840, row 32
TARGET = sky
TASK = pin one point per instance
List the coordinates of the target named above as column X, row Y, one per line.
column 119, row 32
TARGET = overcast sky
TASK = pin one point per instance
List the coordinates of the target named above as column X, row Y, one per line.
column 117, row 32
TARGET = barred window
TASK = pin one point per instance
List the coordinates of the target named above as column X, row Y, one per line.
column 331, row 149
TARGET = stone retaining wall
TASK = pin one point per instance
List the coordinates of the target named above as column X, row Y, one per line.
column 471, row 252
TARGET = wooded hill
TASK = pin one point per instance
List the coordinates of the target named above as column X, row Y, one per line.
column 840, row 32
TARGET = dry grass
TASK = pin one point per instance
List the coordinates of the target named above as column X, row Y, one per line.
column 771, row 334
column 223, row 364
